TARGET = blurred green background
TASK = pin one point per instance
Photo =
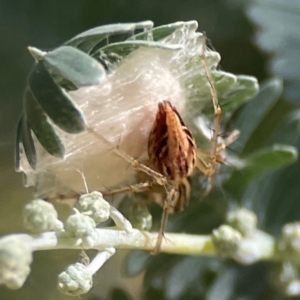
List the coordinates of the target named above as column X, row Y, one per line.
column 258, row 38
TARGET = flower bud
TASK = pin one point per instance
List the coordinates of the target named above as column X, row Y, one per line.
column 94, row 206
column 285, row 278
column 290, row 238
column 139, row 216
column 75, row 280
column 226, row 240
column 83, row 228
column 243, row 220
column 15, row 260
column 41, row 216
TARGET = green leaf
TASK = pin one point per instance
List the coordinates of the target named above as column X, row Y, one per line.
column 176, row 283
column 199, row 96
column 257, row 164
column 275, row 196
column 245, row 88
column 223, row 81
column 223, row 286
column 158, row 33
column 278, row 23
column 55, row 102
column 232, row 92
column 135, row 262
column 75, row 66
column 212, row 58
column 43, row 129
column 124, row 48
column 276, row 17
column 24, row 135
column 36, row 53
column 137, row 214
column 256, row 110
column 86, row 40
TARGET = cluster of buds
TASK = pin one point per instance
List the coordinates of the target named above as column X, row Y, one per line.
column 241, row 240
column 79, row 231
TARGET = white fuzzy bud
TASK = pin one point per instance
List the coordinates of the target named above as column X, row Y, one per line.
column 139, row 216
column 243, row 220
column 286, row 279
column 226, row 240
column 253, row 248
column 290, row 238
column 94, row 206
column 75, row 280
column 15, row 260
column 83, row 228
column 41, row 216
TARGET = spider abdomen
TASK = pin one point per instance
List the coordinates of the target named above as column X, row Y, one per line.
column 171, row 146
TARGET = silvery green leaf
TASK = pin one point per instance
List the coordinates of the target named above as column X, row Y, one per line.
column 232, row 91
column 256, row 110
column 212, row 58
column 124, row 48
column 200, row 92
column 24, row 136
column 136, row 262
column 224, row 82
column 75, row 66
column 86, row 40
column 55, row 102
column 36, row 53
column 41, row 126
column 97, row 34
column 176, row 284
column 278, row 22
column 223, row 286
column 245, row 88
column 274, row 197
column 257, row 164
column 158, row 33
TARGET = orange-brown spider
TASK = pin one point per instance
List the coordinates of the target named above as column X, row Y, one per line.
column 173, row 155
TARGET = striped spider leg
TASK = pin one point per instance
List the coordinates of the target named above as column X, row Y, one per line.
column 207, row 161
column 207, row 164
column 159, row 178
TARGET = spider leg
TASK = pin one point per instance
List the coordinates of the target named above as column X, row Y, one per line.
column 217, row 113
column 158, row 178
column 135, row 188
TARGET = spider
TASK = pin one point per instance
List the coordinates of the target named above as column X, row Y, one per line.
column 173, row 156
